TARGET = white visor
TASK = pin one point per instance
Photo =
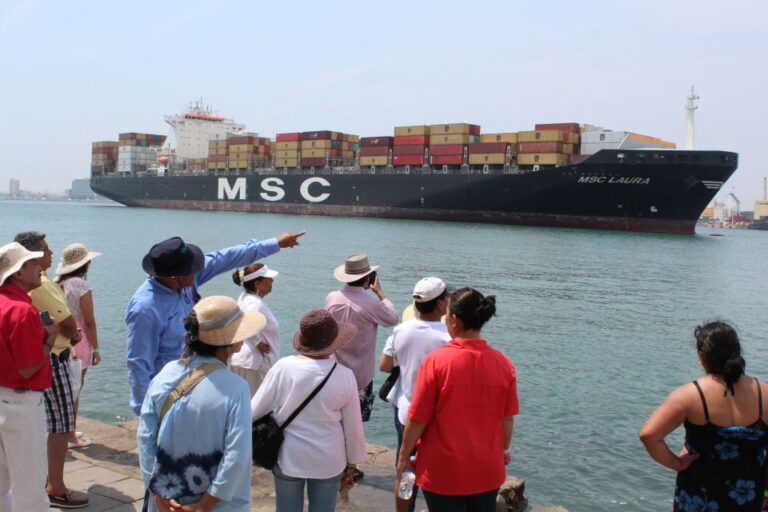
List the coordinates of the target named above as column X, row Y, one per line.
column 264, row 271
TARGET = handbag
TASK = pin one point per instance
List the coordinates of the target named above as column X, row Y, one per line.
column 388, row 384
column 267, row 435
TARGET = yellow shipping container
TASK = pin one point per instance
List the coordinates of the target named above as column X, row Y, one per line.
column 412, row 130
column 287, row 145
column 568, row 149
column 542, row 159
column 453, row 138
column 543, row 136
column 286, row 162
column 238, row 156
column 241, row 148
column 287, row 154
column 510, row 137
column 488, row 158
column 314, row 153
column 316, row 144
column 354, row 138
column 366, row 161
column 446, row 129
column 573, row 137
column 238, row 164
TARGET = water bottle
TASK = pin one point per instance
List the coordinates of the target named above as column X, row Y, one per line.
column 405, row 490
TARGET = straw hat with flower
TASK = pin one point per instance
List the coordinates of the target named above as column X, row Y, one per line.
column 73, row 257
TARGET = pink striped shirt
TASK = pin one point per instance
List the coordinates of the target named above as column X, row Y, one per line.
column 355, row 305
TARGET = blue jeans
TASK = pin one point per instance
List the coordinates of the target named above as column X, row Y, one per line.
column 289, row 492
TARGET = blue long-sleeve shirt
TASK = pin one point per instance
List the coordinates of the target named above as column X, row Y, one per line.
column 155, row 315
column 204, row 442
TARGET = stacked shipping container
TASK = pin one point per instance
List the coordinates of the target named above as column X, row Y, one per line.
column 217, row 153
column 548, row 144
column 104, row 155
column 410, row 145
column 493, row 149
column 327, row 148
column 287, row 149
column 137, row 151
column 375, row 151
column 248, row 152
column 448, row 142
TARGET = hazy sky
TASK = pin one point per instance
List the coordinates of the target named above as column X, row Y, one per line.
column 74, row 72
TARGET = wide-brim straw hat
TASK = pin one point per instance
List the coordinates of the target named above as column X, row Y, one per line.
column 73, row 257
column 173, row 258
column 13, row 256
column 321, row 335
column 221, row 322
column 355, row 267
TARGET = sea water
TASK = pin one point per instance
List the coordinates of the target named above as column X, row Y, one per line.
column 598, row 323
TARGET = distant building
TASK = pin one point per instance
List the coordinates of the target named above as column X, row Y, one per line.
column 81, row 190
column 731, row 207
column 14, row 187
column 709, row 211
column 761, row 207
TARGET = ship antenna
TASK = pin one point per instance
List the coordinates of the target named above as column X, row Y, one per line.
column 690, row 106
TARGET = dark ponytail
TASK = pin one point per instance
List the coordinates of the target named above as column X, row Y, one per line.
column 192, row 344
column 237, row 276
column 720, row 351
column 472, row 308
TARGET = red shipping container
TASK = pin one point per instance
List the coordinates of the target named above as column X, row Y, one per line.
column 288, row 137
column 540, row 147
column 566, row 127
column 474, row 129
column 577, row 159
column 217, row 158
column 321, row 135
column 488, row 148
column 241, row 139
column 409, row 150
column 313, row 162
column 446, row 160
column 411, row 140
column 375, row 142
column 408, row 160
column 447, row 150
column 374, row 151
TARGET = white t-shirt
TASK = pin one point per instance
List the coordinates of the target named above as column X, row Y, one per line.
column 409, row 344
column 249, row 356
column 328, row 433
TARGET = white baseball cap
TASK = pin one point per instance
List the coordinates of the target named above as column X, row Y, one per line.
column 428, row 289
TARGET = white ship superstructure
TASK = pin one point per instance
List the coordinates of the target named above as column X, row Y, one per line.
column 193, row 129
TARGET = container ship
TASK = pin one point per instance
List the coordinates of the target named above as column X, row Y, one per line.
column 558, row 174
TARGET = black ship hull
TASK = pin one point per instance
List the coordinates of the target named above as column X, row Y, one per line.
column 628, row 190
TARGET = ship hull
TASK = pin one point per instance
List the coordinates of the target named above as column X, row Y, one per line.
column 647, row 191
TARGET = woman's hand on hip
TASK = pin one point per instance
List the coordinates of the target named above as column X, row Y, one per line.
column 264, row 348
column 685, row 459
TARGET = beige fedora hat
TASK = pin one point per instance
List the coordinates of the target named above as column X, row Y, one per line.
column 73, row 257
column 13, row 256
column 355, row 267
column 221, row 321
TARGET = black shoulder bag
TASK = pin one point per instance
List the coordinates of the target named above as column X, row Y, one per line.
column 267, row 435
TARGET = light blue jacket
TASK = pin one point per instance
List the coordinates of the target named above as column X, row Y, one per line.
column 204, row 442
column 155, row 315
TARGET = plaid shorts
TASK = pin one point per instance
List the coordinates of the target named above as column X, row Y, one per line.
column 59, row 404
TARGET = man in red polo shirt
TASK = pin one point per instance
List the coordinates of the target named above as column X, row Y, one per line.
column 25, row 371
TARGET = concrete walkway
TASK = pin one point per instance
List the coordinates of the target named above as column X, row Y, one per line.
column 109, row 471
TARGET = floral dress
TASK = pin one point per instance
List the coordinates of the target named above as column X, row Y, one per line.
column 730, row 472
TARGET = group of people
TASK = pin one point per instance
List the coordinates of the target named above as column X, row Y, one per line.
column 203, row 369
column 48, row 339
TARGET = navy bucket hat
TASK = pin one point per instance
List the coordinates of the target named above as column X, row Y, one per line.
column 173, row 258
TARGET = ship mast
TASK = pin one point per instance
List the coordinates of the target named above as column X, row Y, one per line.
column 690, row 106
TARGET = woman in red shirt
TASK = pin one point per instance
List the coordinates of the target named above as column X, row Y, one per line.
column 462, row 413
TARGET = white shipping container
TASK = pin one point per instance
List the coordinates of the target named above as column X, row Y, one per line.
column 603, row 136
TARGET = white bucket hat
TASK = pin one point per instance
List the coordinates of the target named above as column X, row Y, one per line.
column 13, row 256
column 355, row 267
column 73, row 257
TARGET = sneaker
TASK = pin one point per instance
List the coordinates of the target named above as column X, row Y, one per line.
column 70, row 499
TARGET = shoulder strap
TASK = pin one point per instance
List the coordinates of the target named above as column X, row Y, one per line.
column 186, row 385
column 759, row 399
column 703, row 400
column 308, row 399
